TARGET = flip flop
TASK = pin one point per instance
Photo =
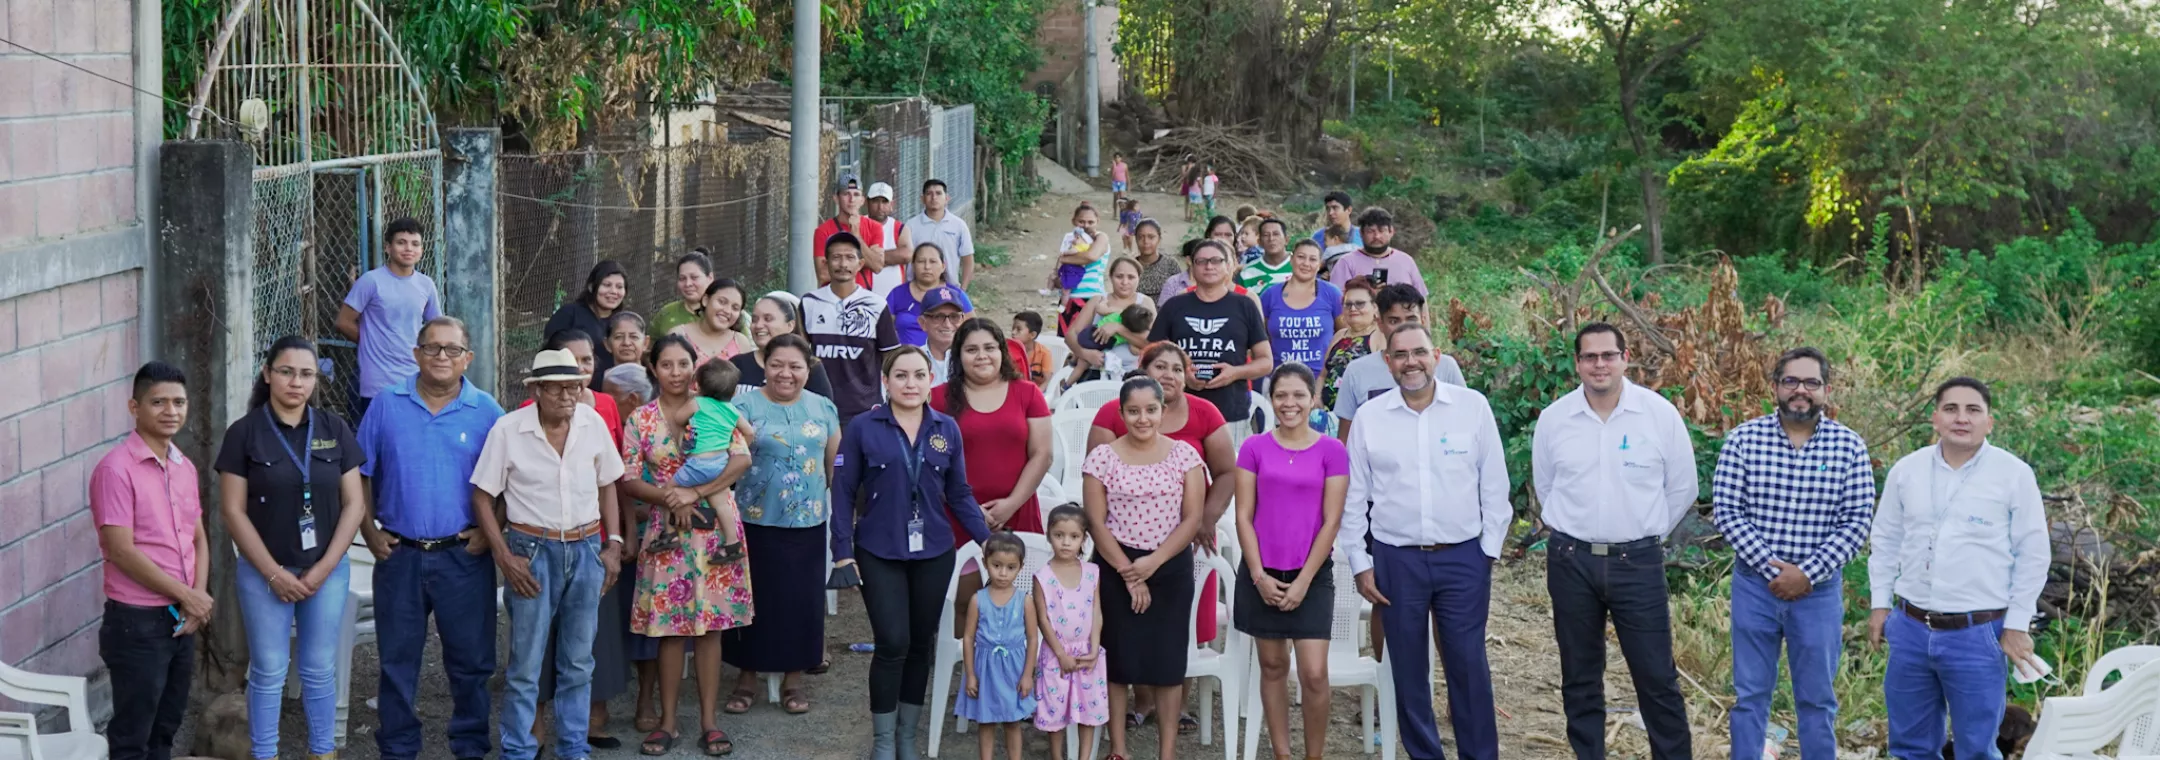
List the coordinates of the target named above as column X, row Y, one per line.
column 793, row 702
column 716, row 743
column 739, row 701
column 662, row 739
column 1187, row 724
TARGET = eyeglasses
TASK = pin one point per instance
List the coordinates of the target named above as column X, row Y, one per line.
column 292, row 373
column 1602, row 357
column 1357, row 304
column 1789, row 383
column 1418, row 353
column 442, row 350
column 560, row 389
column 1209, row 261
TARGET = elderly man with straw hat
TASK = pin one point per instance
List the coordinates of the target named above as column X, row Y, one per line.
column 554, row 468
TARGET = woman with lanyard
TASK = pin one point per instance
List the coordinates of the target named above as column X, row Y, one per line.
column 693, row 272
column 1300, row 315
column 714, row 333
column 901, row 462
column 606, row 290
column 1155, row 268
column 1188, row 418
column 684, row 597
column 1093, row 321
column 927, row 264
column 777, row 313
column 1291, row 484
column 1142, row 493
column 1353, row 338
column 785, row 504
column 290, row 492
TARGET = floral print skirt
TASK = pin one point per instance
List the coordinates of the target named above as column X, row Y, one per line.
column 681, row 591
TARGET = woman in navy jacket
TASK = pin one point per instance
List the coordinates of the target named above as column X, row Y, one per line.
column 898, row 485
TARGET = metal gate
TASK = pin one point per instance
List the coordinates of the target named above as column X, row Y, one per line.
column 344, row 144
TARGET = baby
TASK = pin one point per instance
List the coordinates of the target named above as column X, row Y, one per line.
column 1119, row 356
column 713, row 430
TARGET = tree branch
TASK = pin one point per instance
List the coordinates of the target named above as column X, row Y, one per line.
column 1665, row 56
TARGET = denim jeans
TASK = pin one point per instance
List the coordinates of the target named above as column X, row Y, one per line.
column 457, row 588
column 151, row 670
column 1628, row 585
column 1962, row 670
column 303, row 635
column 1448, row 592
column 1811, row 629
column 701, row 469
column 569, row 576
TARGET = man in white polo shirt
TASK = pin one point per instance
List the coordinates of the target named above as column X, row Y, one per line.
column 892, row 272
column 1614, row 471
column 554, row 466
column 938, row 225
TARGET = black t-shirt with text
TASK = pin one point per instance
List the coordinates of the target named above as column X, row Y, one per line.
column 1211, row 332
column 251, row 451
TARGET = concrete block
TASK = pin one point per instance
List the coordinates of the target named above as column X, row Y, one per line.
column 10, row 450
column 37, row 318
column 19, row 505
column 75, row 26
column 21, row 397
column 30, row 23
column 59, row 209
column 32, row 149
column 60, row 367
column 16, row 87
column 74, row 602
column 66, row 488
column 45, row 564
column 81, row 308
column 78, row 143
column 43, row 447
column 76, row 655
column 120, row 296
column 84, row 414
column 117, row 356
column 118, row 423
column 11, row 590
column 7, row 330
column 123, row 200
column 53, row 92
column 102, row 195
column 115, row 27
column 18, row 213
column 119, row 143
column 22, row 628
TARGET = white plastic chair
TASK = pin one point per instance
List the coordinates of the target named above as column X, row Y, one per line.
column 2142, row 735
column 1058, row 350
column 1068, row 436
column 1038, row 555
column 1263, row 410
column 1226, row 667
column 1090, row 395
column 2122, row 715
column 81, row 742
column 948, row 647
column 1346, row 667
column 358, row 628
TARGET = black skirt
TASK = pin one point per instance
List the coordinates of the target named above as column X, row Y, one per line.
column 788, row 634
column 1148, row 648
column 1314, row 618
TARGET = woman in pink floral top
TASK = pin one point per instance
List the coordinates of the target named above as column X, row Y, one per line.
column 682, row 595
column 1143, row 494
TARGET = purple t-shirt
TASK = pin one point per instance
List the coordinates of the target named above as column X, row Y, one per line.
column 1290, row 488
column 1397, row 264
column 392, row 309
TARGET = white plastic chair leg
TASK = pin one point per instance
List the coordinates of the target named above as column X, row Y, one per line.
column 772, row 688
column 940, row 690
column 1366, row 697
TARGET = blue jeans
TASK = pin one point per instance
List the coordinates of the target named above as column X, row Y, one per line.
column 1963, row 670
column 701, row 469
column 457, row 588
column 279, row 634
column 569, row 575
column 1811, row 629
column 1451, row 588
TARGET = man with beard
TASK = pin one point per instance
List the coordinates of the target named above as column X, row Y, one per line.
column 1793, row 492
column 1422, row 523
column 1376, row 259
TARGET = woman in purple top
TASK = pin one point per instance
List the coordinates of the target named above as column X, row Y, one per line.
column 1286, row 590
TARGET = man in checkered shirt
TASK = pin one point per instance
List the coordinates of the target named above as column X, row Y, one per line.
column 1794, row 493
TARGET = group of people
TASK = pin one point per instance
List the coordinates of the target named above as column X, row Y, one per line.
column 626, row 509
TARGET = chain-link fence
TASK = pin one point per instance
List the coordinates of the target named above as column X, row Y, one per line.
column 562, row 213
column 952, row 132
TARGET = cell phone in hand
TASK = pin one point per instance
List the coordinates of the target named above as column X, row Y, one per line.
column 1379, row 276
column 1204, row 372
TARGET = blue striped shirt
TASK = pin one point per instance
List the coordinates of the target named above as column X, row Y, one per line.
column 1809, row 506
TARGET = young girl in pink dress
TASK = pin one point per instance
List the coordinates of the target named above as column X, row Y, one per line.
column 1071, row 689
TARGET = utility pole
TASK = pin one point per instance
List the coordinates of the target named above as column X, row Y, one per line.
column 1353, row 82
column 804, row 134
column 1090, row 81
column 1390, row 72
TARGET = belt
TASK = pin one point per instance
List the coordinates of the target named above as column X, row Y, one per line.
column 1434, row 547
column 1949, row 621
column 579, row 533
column 1600, row 550
column 428, row 544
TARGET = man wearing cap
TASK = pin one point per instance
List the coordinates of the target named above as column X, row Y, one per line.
column 892, row 270
column 869, row 236
column 850, row 328
column 950, row 232
column 942, row 310
column 554, row 468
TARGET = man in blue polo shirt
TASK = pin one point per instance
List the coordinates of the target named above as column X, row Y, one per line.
column 422, row 439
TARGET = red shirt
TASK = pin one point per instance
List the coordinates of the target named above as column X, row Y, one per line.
column 995, row 448
column 605, row 405
column 1020, row 359
column 870, row 233
column 1201, row 420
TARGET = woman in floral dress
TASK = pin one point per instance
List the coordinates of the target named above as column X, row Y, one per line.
column 682, row 595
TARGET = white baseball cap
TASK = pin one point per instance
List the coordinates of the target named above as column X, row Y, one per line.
column 880, row 190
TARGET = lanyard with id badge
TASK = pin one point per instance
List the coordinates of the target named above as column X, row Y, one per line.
column 307, row 474
column 913, row 457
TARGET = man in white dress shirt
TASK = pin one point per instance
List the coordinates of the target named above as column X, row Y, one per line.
column 1424, row 520
column 1614, row 471
column 1956, row 561
column 554, row 466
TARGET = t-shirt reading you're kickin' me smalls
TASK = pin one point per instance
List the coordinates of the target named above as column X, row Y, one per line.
column 851, row 336
column 1222, row 331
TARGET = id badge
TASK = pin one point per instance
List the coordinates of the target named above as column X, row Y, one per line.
column 914, row 535
column 307, row 533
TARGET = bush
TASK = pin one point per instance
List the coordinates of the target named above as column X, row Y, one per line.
column 1799, row 283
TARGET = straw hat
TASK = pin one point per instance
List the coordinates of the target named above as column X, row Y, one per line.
column 558, row 365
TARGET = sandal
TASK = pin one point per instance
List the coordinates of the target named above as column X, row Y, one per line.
column 602, row 742
column 793, row 702
column 647, row 723
column 662, row 740
column 716, row 743
column 1135, row 719
column 729, row 553
column 739, row 701
column 1187, row 724
column 822, row 666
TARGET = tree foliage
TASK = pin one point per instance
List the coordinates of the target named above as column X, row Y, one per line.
column 954, row 51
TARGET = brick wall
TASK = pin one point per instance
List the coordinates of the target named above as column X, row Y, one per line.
column 1059, row 34
column 68, row 175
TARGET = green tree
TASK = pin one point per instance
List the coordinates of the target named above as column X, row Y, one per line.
column 955, row 51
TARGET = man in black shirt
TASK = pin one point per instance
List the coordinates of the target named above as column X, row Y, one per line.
column 1222, row 332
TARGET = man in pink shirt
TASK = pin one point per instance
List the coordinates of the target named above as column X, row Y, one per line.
column 1376, row 259
column 145, row 499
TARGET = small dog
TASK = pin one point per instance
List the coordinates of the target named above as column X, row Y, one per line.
column 2017, row 728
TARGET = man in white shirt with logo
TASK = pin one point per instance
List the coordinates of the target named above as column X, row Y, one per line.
column 1614, row 472
column 893, row 272
column 1424, row 519
column 1956, row 560
column 937, row 225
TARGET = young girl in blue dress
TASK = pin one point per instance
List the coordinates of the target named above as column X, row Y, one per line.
column 999, row 648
